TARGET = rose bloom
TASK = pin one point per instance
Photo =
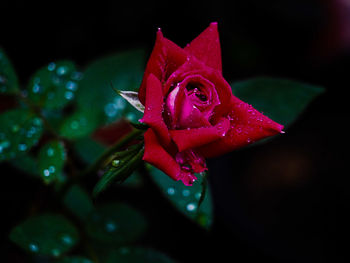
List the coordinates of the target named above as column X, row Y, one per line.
column 190, row 108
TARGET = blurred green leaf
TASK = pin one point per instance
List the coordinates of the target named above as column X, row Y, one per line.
column 74, row 259
column 137, row 254
column 27, row 164
column 54, row 86
column 88, row 149
column 8, row 77
column 115, row 223
column 281, row 100
column 19, row 131
column 78, row 202
column 123, row 71
column 186, row 198
column 78, row 125
column 47, row 234
column 51, row 160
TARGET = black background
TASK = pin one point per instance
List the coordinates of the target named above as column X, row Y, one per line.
column 284, row 201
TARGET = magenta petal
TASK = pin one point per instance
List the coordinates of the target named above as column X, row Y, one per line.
column 247, row 126
column 165, row 58
column 154, row 108
column 160, row 158
column 206, row 47
column 192, row 138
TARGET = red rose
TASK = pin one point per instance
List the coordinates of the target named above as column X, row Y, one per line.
column 190, row 108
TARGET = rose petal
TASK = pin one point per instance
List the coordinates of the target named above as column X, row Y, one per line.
column 193, row 138
column 247, row 125
column 165, row 58
column 156, row 155
column 154, row 108
column 206, row 47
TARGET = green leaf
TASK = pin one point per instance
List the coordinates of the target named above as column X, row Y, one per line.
column 123, row 71
column 27, row 164
column 186, row 198
column 74, row 259
column 19, row 131
column 118, row 171
column 80, row 124
column 133, row 98
column 54, row 86
column 51, row 160
column 88, row 149
column 281, row 100
column 115, row 223
column 78, row 202
column 47, row 234
column 137, row 254
column 8, row 77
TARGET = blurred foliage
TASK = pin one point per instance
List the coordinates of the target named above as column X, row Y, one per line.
column 53, row 126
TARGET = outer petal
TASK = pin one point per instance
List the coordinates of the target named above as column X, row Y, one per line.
column 247, row 125
column 206, row 47
column 157, row 156
column 154, row 108
column 193, row 138
column 165, row 58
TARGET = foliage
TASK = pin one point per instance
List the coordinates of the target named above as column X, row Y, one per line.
column 50, row 136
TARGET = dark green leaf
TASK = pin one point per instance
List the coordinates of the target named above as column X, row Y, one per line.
column 123, row 71
column 27, row 164
column 47, row 234
column 8, row 77
column 78, row 202
column 118, row 171
column 74, row 259
column 88, row 149
column 78, row 125
column 136, row 255
column 280, row 99
column 51, row 160
column 186, row 198
column 55, row 85
column 115, row 223
column 19, row 131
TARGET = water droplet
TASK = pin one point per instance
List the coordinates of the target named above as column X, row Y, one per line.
column 55, row 252
column 4, row 144
column 198, row 195
column 46, row 172
column 171, row 191
column 186, row 192
column 33, row 247
column 77, row 75
column 115, row 163
column 69, row 95
column 15, row 128
column 50, row 152
column 52, row 169
column 71, row 85
column 22, row 147
column 37, row 121
column 110, row 110
column 61, row 70
column 51, row 66
column 67, row 239
column 36, row 88
column 74, row 125
column 110, row 226
column 191, row 207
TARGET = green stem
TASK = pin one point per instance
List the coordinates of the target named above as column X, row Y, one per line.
column 111, row 150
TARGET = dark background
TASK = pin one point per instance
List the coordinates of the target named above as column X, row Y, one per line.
column 284, row 201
